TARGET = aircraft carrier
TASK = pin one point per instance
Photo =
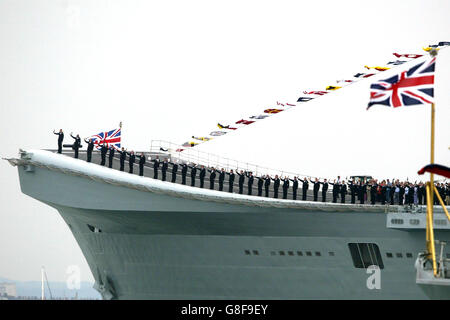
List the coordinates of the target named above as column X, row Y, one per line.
column 144, row 238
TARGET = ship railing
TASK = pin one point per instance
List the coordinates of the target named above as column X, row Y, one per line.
column 192, row 155
column 412, row 209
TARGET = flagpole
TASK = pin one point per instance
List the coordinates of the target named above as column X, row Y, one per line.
column 432, row 148
column 430, row 200
column 120, row 126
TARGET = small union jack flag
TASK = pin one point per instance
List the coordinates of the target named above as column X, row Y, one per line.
column 111, row 138
column 411, row 87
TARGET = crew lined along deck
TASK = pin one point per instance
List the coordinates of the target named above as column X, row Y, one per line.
column 330, row 196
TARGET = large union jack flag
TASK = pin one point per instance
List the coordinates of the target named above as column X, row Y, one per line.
column 411, row 87
column 111, row 138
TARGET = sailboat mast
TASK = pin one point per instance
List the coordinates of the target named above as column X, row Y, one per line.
column 42, row 284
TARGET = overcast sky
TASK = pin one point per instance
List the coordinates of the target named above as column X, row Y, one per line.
column 173, row 69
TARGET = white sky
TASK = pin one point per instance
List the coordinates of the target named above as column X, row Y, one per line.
column 173, row 69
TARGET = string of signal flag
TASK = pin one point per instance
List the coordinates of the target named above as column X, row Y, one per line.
column 223, row 129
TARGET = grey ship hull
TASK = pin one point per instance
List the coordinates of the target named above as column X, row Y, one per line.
column 154, row 244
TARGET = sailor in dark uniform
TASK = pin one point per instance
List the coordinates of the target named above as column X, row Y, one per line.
column 276, row 185
column 250, row 179
column 90, row 148
column 221, row 179
column 343, row 191
column 103, row 151
column 155, row 167
column 193, row 173
column 324, row 190
column 111, row 155
column 294, row 188
column 202, row 176
column 141, row 164
column 373, row 192
column 164, row 167
column 267, row 181
column 184, row 169
column 335, row 190
column 383, row 193
column 131, row 160
column 316, row 187
column 60, row 135
column 305, row 187
column 212, row 177
column 123, row 157
column 260, row 185
column 393, row 188
column 241, row 181
column 401, row 194
column 230, row 181
column 76, row 145
column 174, row 171
column 353, row 190
column 285, row 187
column 420, row 193
column 362, row 189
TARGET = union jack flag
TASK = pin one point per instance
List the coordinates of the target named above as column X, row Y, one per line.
column 411, row 87
column 111, row 138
